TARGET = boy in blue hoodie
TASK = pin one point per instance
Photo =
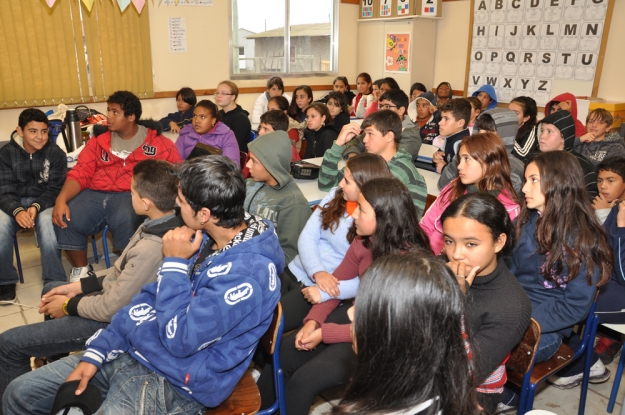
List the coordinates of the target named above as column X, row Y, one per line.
column 185, row 340
column 487, row 96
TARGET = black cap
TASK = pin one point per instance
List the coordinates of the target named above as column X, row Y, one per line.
column 88, row 402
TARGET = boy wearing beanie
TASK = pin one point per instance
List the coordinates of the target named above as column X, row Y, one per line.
column 272, row 194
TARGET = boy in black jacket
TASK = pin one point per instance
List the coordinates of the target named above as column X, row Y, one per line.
column 32, row 173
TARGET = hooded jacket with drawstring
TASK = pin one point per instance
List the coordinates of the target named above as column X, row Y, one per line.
column 580, row 130
column 491, row 93
column 219, row 136
column 283, row 204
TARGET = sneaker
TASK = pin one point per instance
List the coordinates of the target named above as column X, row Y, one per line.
column 7, row 294
column 607, row 349
column 79, row 272
column 598, row 374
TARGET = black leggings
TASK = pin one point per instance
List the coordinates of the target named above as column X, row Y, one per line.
column 294, row 306
column 309, row 373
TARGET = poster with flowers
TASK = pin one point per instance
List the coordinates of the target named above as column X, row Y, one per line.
column 397, row 52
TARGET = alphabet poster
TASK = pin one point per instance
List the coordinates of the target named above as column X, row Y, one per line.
column 397, row 52
column 521, row 46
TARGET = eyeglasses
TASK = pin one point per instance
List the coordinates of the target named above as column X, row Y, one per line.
column 387, row 107
column 217, row 93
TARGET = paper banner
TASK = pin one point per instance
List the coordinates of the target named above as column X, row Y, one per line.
column 139, row 5
column 88, row 3
column 50, row 2
column 122, row 4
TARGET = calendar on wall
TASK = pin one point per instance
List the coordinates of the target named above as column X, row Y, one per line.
column 521, row 47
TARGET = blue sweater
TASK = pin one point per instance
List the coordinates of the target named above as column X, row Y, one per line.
column 616, row 237
column 557, row 309
column 200, row 332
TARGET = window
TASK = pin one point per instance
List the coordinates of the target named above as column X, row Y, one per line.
column 284, row 37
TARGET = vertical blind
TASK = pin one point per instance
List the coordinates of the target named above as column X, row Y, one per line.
column 44, row 52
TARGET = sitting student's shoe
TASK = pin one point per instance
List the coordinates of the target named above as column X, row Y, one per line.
column 7, row 294
column 607, row 349
column 598, row 374
column 79, row 272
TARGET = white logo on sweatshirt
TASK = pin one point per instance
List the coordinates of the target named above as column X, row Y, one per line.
column 113, row 354
column 172, row 326
column 219, row 270
column 238, row 293
column 273, row 277
column 141, row 313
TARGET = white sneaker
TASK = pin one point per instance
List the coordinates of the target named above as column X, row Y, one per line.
column 79, row 272
column 598, row 374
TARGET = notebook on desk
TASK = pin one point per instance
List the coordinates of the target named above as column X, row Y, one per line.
column 424, row 159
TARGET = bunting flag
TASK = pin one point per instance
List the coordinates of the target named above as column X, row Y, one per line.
column 139, row 5
column 50, row 2
column 88, row 3
column 123, row 4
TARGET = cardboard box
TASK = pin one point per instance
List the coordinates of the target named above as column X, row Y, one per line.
column 384, row 9
column 617, row 109
column 403, row 8
column 429, row 8
column 368, row 9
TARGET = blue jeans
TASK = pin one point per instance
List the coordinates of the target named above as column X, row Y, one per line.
column 52, row 267
column 547, row 346
column 127, row 387
column 50, row 337
column 90, row 212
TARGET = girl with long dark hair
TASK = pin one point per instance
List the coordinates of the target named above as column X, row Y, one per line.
column 526, row 141
column 302, row 98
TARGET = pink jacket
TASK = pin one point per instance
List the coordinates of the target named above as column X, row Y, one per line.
column 431, row 221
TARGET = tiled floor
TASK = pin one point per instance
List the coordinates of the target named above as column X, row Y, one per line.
column 562, row 402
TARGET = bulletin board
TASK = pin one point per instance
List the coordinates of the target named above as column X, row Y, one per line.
column 536, row 47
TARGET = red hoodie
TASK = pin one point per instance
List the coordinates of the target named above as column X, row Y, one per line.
column 580, row 130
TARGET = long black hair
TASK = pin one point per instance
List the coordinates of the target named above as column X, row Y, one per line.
column 408, row 335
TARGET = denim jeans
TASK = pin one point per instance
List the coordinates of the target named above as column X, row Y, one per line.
column 51, row 265
column 547, row 346
column 91, row 211
column 50, row 337
column 127, row 387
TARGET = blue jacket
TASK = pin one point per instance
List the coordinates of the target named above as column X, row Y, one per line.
column 491, row 92
column 616, row 237
column 557, row 309
column 200, row 332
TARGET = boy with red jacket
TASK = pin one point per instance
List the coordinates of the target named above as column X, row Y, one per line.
column 97, row 190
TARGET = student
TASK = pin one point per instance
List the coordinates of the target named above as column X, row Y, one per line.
column 395, row 100
column 272, row 194
column 566, row 102
column 275, row 88
column 598, row 142
column 455, row 115
column 478, row 234
column 232, row 115
column 487, row 96
column 485, row 123
column 386, row 223
column 443, row 94
column 610, row 186
column 185, row 101
column 416, row 90
column 386, row 84
column 79, row 309
column 558, row 133
column 97, row 190
column 32, row 173
column 424, row 113
column 476, row 110
column 319, row 133
column 325, row 239
column 340, row 84
column 382, row 134
column 295, row 129
column 421, row 293
column 302, row 98
column 555, row 219
column 483, row 166
column 338, row 109
column 272, row 121
column 207, row 128
column 215, row 296
column 361, row 102
column 526, row 142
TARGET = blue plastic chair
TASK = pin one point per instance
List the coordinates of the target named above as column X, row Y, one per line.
column 105, row 247
column 18, row 260
column 272, row 341
column 619, row 371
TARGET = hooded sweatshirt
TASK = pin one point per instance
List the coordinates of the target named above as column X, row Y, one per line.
column 612, row 145
column 283, row 204
column 22, row 175
column 491, row 93
column 238, row 121
column 429, row 129
column 580, row 130
column 565, row 123
column 220, row 136
column 451, row 93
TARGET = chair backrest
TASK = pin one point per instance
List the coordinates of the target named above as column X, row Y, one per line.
column 270, row 339
column 522, row 356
